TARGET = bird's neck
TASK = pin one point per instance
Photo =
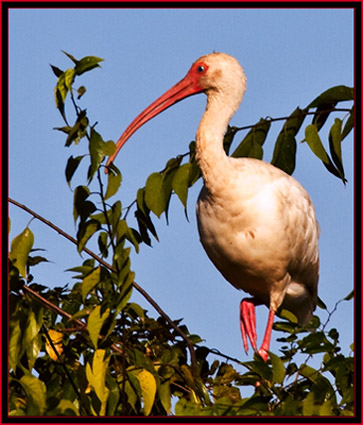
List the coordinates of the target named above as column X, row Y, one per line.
column 211, row 157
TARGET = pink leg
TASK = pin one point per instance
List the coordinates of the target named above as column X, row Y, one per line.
column 267, row 338
column 248, row 322
column 248, row 326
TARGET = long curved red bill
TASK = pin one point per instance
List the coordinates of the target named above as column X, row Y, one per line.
column 184, row 88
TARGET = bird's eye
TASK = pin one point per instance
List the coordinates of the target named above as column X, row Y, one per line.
column 201, row 69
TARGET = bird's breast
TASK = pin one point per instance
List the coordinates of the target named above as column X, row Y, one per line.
column 241, row 239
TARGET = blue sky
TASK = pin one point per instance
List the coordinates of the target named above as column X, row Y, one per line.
column 289, row 56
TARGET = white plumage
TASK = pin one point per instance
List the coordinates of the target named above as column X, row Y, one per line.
column 256, row 223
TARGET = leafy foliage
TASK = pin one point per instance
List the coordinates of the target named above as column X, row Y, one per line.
column 89, row 350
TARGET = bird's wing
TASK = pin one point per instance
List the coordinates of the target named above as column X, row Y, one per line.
column 302, row 231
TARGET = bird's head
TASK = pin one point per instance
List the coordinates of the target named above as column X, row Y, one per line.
column 218, row 75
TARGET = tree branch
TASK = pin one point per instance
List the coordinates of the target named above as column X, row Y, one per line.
column 108, row 266
column 303, row 114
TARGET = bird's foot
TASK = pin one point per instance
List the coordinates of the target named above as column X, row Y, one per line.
column 263, row 353
column 248, row 327
column 248, row 323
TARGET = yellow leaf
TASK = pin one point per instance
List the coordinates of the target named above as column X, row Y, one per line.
column 56, row 338
column 90, row 281
column 95, row 323
column 21, row 246
column 97, row 378
column 148, row 390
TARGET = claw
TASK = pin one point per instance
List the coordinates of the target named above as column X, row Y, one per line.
column 248, row 323
column 248, row 327
column 244, row 335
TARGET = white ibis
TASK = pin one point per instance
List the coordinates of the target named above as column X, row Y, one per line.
column 256, row 223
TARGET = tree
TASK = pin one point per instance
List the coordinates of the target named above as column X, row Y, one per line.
column 88, row 350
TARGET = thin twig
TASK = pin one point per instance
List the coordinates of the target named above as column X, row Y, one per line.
column 135, row 285
column 303, row 114
column 81, row 326
column 128, row 208
column 123, row 357
column 219, row 353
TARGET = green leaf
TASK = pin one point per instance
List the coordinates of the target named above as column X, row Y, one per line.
column 142, row 215
column 284, row 326
column 31, row 338
column 115, row 216
column 251, row 145
column 335, row 144
column 114, row 182
column 68, row 79
column 95, row 322
column 137, row 309
column 288, row 315
column 20, row 248
column 326, row 409
column 81, row 91
column 59, row 102
column 133, row 236
column 194, row 172
column 114, row 395
column 156, row 197
column 333, row 95
column 81, row 193
column 248, row 148
column 57, row 72
column 148, row 390
column 349, row 125
column 96, row 149
column 285, row 146
column 260, row 367
column 90, row 281
column 285, row 152
column 278, row 368
column 121, row 230
column 72, row 165
column 102, row 243
column 126, row 291
column 227, row 141
column 313, row 140
column 165, row 396
column 132, row 390
column 109, row 149
column 36, row 394
column 140, row 200
column 316, row 343
column 66, row 408
column 309, row 372
column 101, row 217
column 15, row 350
column 320, row 116
column 349, row 296
column 33, row 261
column 64, row 84
column 72, row 58
column 309, row 408
column 295, row 121
column 320, row 303
column 180, row 183
column 86, row 64
column 78, row 131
